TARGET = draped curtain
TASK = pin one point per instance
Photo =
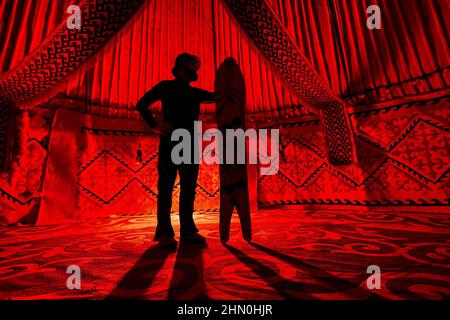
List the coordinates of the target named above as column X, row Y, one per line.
column 414, row 41
column 25, row 24
column 144, row 55
column 412, row 44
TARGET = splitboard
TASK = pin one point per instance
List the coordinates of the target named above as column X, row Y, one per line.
column 230, row 112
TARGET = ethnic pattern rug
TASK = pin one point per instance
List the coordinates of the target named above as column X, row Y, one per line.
column 295, row 254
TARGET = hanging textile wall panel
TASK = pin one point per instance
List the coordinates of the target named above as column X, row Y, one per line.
column 404, row 160
column 7, row 133
column 101, row 167
column 21, row 182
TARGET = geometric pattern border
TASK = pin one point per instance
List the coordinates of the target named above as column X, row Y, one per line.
column 364, row 203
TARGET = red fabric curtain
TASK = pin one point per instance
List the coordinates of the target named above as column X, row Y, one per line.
column 145, row 52
column 24, row 25
column 413, row 41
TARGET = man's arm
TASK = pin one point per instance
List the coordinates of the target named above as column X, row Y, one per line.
column 153, row 95
column 205, row 96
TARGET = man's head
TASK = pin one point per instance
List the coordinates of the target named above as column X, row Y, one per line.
column 186, row 67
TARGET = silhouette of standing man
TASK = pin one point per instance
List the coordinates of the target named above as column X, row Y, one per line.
column 181, row 107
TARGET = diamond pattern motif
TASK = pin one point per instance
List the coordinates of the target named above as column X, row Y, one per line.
column 299, row 162
column 403, row 161
column 108, row 178
column 426, row 150
column 105, row 176
column 148, row 175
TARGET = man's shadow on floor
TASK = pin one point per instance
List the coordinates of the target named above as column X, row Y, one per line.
column 287, row 288
column 141, row 276
column 188, row 280
column 188, row 273
column 188, row 277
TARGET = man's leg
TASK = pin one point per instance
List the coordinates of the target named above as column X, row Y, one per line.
column 188, row 183
column 243, row 209
column 226, row 211
column 167, row 173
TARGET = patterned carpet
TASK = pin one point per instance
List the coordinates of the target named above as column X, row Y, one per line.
column 296, row 254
